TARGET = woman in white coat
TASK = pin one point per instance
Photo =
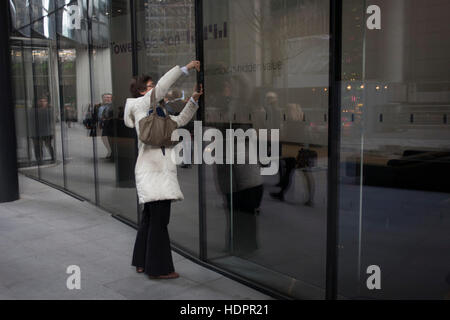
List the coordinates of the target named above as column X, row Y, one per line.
column 156, row 176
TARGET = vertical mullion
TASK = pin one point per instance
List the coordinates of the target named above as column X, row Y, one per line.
column 201, row 116
column 9, row 187
column 25, row 90
column 61, row 101
column 333, row 147
column 133, row 21
column 135, row 70
column 91, row 81
column 35, row 99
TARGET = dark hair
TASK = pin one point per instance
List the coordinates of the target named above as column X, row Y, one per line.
column 139, row 84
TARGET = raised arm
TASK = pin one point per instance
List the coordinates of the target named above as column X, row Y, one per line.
column 189, row 110
column 164, row 84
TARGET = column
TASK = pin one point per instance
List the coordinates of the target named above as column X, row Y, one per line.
column 9, row 185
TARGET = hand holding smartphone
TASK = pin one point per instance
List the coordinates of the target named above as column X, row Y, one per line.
column 198, row 92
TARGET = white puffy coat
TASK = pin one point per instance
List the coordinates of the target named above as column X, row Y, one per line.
column 156, row 173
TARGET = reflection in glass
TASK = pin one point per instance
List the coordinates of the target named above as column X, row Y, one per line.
column 47, row 144
column 75, row 98
column 395, row 152
column 266, row 67
column 23, row 93
column 115, row 143
column 20, row 15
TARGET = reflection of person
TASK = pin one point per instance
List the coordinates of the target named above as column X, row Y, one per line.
column 268, row 116
column 175, row 102
column 229, row 95
column 42, row 132
column 90, row 120
column 273, row 112
column 295, row 112
column 244, row 191
column 69, row 114
column 156, row 176
column 304, row 161
column 105, row 119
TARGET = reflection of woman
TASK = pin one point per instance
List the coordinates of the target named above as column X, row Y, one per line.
column 241, row 184
column 106, row 124
column 156, row 177
column 304, row 162
column 69, row 114
column 295, row 112
column 90, row 120
column 41, row 129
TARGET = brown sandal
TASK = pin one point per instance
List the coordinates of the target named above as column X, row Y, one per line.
column 172, row 275
column 139, row 270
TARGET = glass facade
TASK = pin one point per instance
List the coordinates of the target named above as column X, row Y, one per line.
column 395, row 150
column 253, row 81
column 266, row 66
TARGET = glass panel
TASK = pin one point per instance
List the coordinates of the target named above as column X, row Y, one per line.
column 164, row 33
column 20, row 15
column 75, row 101
column 47, row 143
column 115, row 143
column 267, row 68
column 40, row 8
column 72, row 22
column 100, row 13
column 40, row 18
column 23, row 93
column 395, row 151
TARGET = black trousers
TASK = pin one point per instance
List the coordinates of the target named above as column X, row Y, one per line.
column 38, row 142
column 286, row 177
column 245, row 227
column 152, row 249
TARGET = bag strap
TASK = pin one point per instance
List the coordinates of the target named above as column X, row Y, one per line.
column 154, row 103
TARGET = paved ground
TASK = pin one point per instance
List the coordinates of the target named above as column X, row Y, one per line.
column 46, row 231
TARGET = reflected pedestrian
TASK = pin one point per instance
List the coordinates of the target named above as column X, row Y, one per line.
column 106, row 124
column 41, row 130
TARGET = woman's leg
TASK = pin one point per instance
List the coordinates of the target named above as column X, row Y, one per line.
column 140, row 245
column 37, row 148
column 285, row 180
column 311, row 186
column 49, row 146
column 158, row 259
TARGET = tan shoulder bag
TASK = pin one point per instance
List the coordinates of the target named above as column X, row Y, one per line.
column 155, row 130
